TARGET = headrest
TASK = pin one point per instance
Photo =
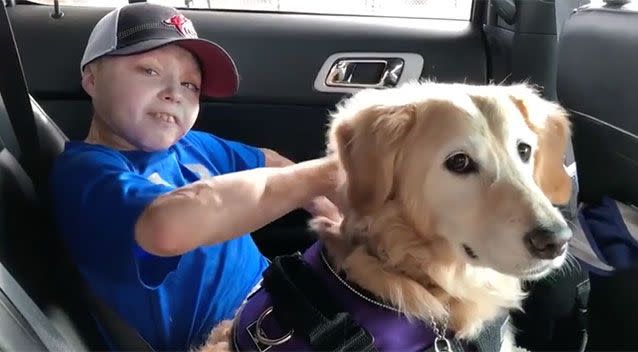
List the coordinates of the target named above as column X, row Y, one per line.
column 598, row 82
column 597, row 73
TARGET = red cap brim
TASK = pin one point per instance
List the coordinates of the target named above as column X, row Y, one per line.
column 219, row 73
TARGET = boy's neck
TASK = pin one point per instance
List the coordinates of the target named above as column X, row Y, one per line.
column 100, row 133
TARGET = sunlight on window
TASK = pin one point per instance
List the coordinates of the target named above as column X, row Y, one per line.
column 92, row 3
column 446, row 9
column 450, row 9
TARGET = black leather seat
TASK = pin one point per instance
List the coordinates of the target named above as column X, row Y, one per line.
column 19, row 221
column 29, row 247
column 80, row 304
column 51, row 139
column 598, row 84
column 30, row 270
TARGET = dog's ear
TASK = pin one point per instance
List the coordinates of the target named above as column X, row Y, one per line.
column 367, row 145
column 549, row 168
column 550, row 121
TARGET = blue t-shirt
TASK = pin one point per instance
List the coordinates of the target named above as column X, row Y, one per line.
column 98, row 194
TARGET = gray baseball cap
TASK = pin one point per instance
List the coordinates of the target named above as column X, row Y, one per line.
column 139, row 27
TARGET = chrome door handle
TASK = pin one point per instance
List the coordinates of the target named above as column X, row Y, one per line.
column 343, row 72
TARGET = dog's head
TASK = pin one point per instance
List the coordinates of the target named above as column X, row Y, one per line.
column 480, row 166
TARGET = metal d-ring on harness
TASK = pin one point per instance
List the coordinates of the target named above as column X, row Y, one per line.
column 261, row 335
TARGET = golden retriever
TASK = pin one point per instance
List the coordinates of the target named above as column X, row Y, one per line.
column 449, row 193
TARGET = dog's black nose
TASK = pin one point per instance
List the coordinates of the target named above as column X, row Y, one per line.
column 548, row 242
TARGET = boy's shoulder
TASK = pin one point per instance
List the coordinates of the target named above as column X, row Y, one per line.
column 227, row 154
column 200, row 140
column 83, row 158
column 220, row 148
column 78, row 154
column 83, row 163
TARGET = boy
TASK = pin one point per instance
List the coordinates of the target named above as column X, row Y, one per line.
column 153, row 233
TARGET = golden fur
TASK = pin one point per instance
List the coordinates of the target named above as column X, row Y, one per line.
column 408, row 218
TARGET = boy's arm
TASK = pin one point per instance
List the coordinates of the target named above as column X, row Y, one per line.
column 274, row 159
column 221, row 208
column 318, row 206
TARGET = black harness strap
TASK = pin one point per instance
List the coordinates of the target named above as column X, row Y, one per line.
column 303, row 303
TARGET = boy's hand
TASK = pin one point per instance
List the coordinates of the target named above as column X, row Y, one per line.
column 320, row 206
column 328, row 205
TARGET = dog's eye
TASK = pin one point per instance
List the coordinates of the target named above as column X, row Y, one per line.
column 461, row 163
column 524, row 151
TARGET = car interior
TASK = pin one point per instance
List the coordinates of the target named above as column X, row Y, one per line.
column 294, row 67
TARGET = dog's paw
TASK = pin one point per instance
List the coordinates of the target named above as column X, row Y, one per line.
column 219, row 338
column 217, row 347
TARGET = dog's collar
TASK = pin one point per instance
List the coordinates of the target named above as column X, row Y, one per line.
column 353, row 287
column 385, row 322
column 489, row 340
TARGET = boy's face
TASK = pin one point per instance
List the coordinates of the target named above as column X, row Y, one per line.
column 145, row 101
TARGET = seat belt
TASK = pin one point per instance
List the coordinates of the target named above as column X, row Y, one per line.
column 15, row 94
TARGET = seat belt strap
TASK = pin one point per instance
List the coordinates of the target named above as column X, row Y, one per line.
column 13, row 88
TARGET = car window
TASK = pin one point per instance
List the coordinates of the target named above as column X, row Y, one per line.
column 443, row 9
